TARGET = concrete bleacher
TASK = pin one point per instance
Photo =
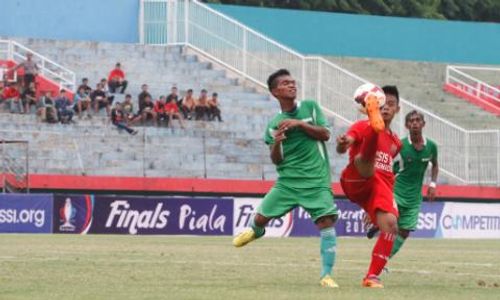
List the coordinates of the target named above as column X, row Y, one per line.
column 231, row 149
column 422, row 83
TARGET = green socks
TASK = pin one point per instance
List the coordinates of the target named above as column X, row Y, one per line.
column 397, row 245
column 259, row 231
column 328, row 249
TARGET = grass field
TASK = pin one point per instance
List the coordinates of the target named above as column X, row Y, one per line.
column 161, row 267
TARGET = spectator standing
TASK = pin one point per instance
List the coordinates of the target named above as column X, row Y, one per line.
column 187, row 105
column 82, row 102
column 213, row 106
column 201, row 106
column 99, row 99
column 63, row 107
column 173, row 112
column 46, row 108
column 30, row 70
column 29, row 98
column 118, row 119
column 161, row 113
column 116, row 79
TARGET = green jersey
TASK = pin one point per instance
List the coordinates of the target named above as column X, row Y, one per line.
column 409, row 168
column 305, row 161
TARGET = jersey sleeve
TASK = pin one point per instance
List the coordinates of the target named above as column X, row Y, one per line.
column 355, row 131
column 319, row 118
column 268, row 136
column 434, row 152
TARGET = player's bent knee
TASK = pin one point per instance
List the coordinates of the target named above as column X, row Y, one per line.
column 387, row 222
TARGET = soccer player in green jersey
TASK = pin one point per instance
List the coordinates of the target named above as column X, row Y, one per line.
column 410, row 166
column 296, row 137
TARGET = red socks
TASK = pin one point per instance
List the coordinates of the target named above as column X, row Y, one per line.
column 381, row 253
column 369, row 145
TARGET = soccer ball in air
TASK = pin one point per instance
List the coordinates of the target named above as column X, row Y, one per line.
column 366, row 89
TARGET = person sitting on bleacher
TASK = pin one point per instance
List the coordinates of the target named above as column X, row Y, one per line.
column 118, row 119
column 63, row 107
column 173, row 113
column 82, row 102
column 46, row 109
column 161, row 113
column 213, row 106
column 85, row 86
column 173, row 96
column 11, row 96
column 99, row 99
column 116, row 79
column 201, row 107
column 29, row 98
column 128, row 110
column 105, row 88
column 146, row 110
column 144, row 93
column 188, row 105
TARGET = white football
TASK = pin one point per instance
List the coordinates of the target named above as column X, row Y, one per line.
column 367, row 89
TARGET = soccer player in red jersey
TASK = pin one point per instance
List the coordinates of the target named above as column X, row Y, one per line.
column 368, row 179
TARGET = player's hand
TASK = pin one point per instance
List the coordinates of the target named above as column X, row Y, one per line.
column 431, row 193
column 342, row 140
column 279, row 135
column 289, row 124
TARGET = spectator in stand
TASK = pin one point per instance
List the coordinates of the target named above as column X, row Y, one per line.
column 46, row 109
column 213, row 106
column 142, row 96
column 63, row 107
column 174, row 96
column 82, row 102
column 85, row 86
column 99, row 99
column 173, row 112
column 11, row 96
column 30, row 70
column 29, row 98
column 104, row 84
column 116, row 79
column 118, row 119
column 187, row 105
column 128, row 110
column 161, row 113
column 201, row 107
column 146, row 110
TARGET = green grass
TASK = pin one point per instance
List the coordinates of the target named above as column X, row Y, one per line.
column 165, row 267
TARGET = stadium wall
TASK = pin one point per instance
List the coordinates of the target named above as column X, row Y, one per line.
column 374, row 36
column 93, row 20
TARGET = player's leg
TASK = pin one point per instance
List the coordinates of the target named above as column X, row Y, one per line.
column 387, row 223
column 275, row 204
column 407, row 221
column 319, row 203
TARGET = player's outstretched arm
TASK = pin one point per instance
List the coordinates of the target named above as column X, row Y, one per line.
column 316, row 132
column 343, row 143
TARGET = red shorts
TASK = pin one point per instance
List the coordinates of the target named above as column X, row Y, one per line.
column 372, row 194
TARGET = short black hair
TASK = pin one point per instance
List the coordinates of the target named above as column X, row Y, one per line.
column 215, row 95
column 203, row 91
column 85, row 79
column 271, row 80
column 128, row 96
column 414, row 112
column 391, row 90
column 190, row 91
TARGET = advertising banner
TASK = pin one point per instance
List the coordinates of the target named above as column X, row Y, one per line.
column 25, row 213
column 162, row 215
column 469, row 220
column 73, row 213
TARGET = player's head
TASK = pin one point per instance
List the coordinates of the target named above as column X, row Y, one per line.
column 391, row 106
column 282, row 85
column 414, row 122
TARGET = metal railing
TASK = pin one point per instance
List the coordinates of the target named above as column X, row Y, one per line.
column 59, row 75
column 488, row 94
column 254, row 56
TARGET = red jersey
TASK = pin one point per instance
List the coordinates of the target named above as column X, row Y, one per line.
column 116, row 73
column 388, row 146
column 171, row 107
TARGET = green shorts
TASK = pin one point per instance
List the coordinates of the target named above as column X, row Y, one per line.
column 408, row 217
column 280, row 200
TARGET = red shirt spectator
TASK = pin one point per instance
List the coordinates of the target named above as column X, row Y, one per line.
column 116, row 74
column 160, row 106
column 116, row 79
column 171, row 106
